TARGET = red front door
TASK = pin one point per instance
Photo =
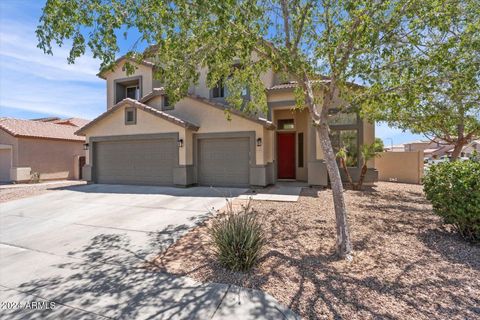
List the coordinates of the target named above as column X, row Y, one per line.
column 286, row 155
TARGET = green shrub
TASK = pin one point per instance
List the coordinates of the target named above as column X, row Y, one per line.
column 237, row 238
column 454, row 191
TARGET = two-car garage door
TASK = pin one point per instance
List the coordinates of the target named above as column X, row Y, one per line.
column 148, row 162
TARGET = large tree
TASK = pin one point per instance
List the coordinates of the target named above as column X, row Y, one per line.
column 325, row 45
column 441, row 98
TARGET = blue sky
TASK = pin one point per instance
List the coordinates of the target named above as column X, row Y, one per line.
column 33, row 84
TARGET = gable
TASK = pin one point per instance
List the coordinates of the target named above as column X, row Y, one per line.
column 113, row 123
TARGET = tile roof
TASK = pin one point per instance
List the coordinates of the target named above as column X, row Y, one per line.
column 293, row 84
column 101, row 74
column 77, row 122
column 154, row 93
column 225, row 107
column 144, row 107
column 222, row 106
column 39, row 129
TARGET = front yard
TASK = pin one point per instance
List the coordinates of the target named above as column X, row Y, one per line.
column 406, row 265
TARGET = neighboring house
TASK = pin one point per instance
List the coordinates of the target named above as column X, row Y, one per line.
column 395, row 148
column 47, row 147
column 420, row 145
column 143, row 139
column 469, row 150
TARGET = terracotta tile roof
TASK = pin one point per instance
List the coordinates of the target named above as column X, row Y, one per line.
column 223, row 106
column 77, row 122
column 39, row 129
column 144, row 107
column 47, row 119
column 293, row 84
column 101, row 74
column 154, row 93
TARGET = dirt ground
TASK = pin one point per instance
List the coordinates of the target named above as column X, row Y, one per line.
column 9, row 192
column 406, row 264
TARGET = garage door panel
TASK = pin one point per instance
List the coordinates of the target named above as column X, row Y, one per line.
column 135, row 161
column 224, row 162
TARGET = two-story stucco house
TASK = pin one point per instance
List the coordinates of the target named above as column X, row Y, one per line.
column 142, row 139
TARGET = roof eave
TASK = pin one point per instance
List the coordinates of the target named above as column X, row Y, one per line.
column 144, row 62
column 144, row 107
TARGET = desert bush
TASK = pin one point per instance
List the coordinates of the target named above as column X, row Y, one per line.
column 237, row 238
column 454, row 191
column 34, row 177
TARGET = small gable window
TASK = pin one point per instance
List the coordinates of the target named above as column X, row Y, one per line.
column 130, row 116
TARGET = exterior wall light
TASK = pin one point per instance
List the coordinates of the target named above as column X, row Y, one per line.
column 259, row 142
column 85, row 146
column 180, row 143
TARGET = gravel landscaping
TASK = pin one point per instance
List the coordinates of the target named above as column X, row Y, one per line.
column 9, row 192
column 406, row 265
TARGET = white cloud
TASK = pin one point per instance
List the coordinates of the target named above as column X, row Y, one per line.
column 33, row 81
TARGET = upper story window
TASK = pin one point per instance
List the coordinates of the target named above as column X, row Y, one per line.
column 219, row 90
column 128, row 88
column 132, row 92
column 342, row 118
column 166, row 104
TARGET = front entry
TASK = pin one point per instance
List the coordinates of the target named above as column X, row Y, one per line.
column 286, row 155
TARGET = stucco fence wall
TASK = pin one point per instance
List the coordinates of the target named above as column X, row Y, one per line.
column 404, row 167
column 53, row 159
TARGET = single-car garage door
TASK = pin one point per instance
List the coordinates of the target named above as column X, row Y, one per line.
column 224, row 162
column 148, row 162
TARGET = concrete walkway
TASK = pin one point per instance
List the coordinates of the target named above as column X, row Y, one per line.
column 285, row 191
column 86, row 248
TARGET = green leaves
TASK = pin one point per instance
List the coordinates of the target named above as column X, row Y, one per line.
column 454, row 190
column 238, row 238
column 430, row 82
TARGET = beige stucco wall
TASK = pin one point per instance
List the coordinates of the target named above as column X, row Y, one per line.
column 53, row 159
column 118, row 73
column 404, row 167
column 201, row 88
column 280, row 95
column 10, row 140
column 5, row 164
column 211, row 120
column 114, row 125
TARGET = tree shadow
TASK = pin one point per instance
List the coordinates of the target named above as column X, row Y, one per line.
column 395, row 274
column 452, row 247
column 110, row 277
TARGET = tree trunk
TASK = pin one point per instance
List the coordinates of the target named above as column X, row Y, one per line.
column 363, row 173
column 343, row 246
column 458, row 149
column 347, row 174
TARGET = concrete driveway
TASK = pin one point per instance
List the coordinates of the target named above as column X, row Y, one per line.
column 85, row 249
